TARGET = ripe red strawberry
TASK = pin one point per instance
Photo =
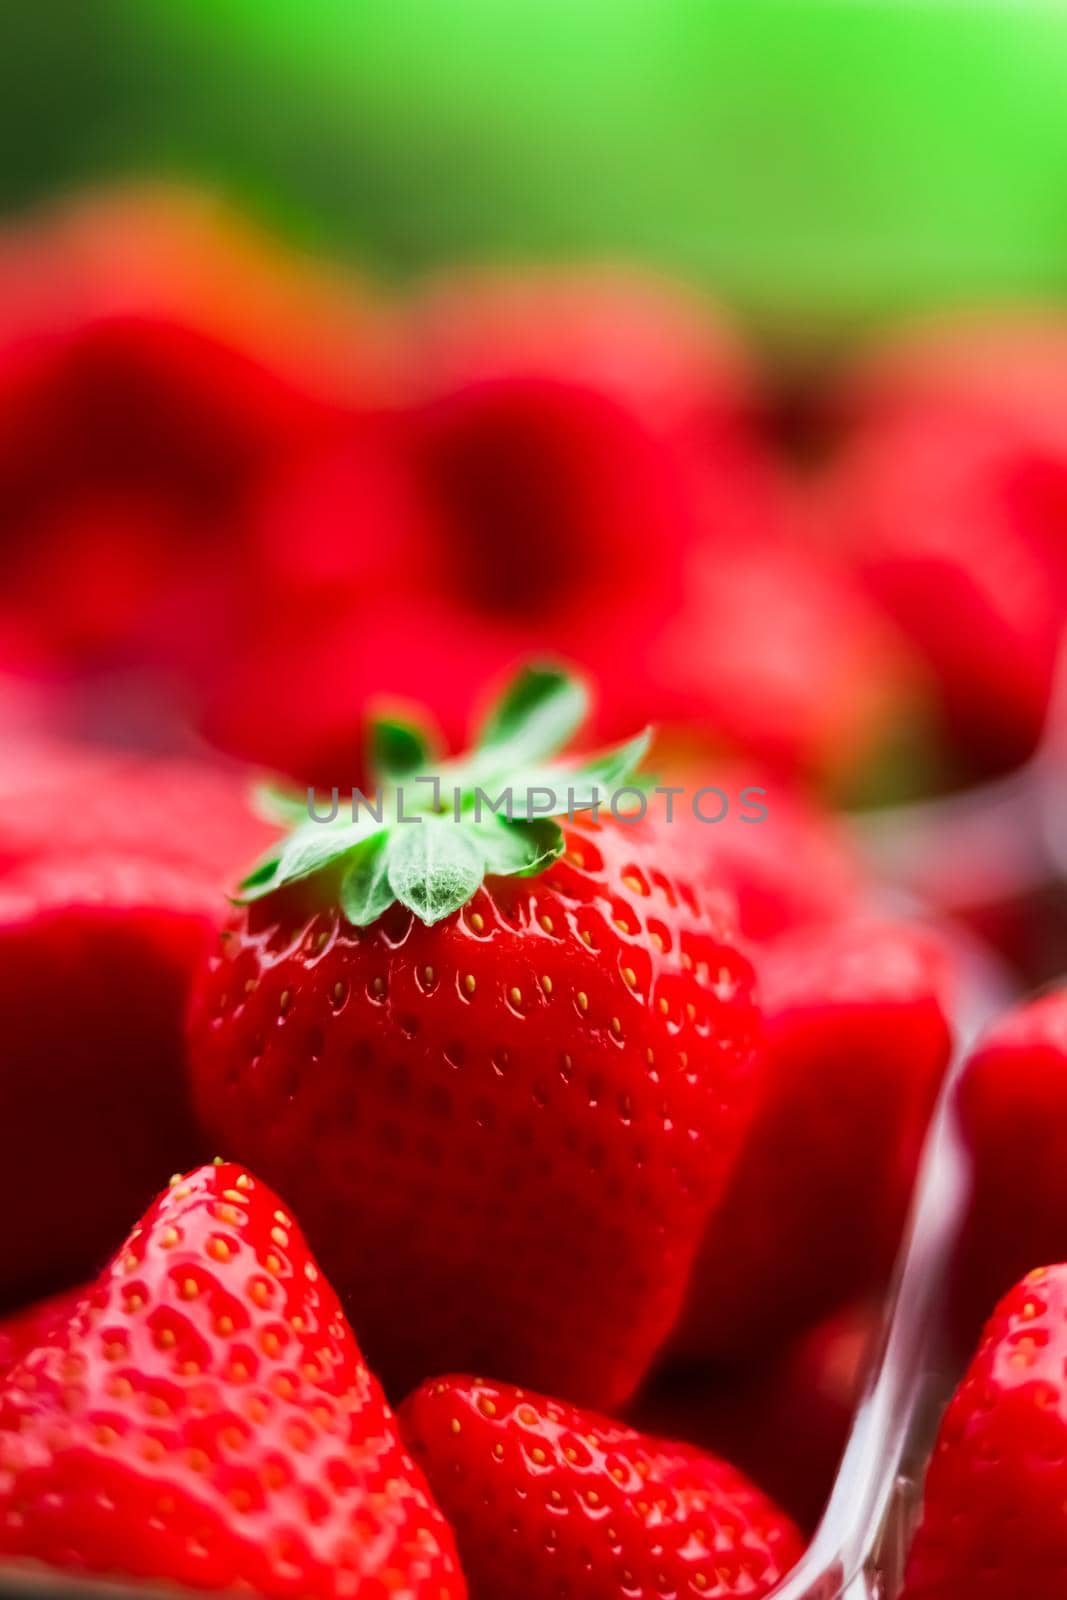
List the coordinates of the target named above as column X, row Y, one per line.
column 1012, row 1101
column 503, row 1108
column 857, row 1041
column 994, row 1524
column 549, row 1499
column 95, row 961
column 205, row 1417
column 34, row 1325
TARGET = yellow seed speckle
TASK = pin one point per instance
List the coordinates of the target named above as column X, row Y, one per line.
column 378, row 986
column 633, row 883
column 280, row 1237
column 244, row 1181
column 477, row 921
column 105, row 1436
column 190, row 1289
column 486, row 1406
column 527, row 1415
column 173, row 1182
column 548, row 925
column 515, row 995
column 273, row 1264
column 151, row 1450
column 454, row 1425
column 468, row 983
column 120, row 1388
column 546, row 983
column 198, row 1461
column 616, row 1027
column 284, row 1000
column 259, row 1292
column 167, row 1339
column 220, row 1250
column 659, row 941
column 629, row 977
column 270, row 1343
column 583, row 1000
column 663, row 1006
column 592, row 1498
column 538, row 1456
column 623, row 926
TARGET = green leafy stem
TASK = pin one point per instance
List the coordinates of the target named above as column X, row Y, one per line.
column 504, row 796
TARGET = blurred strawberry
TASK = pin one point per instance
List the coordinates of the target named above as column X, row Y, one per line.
column 95, row 960
column 951, row 494
column 783, row 1420
column 1012, row 1101
column 857, row 1039
column 794, row 867
column 576, row 470
column 156, row 355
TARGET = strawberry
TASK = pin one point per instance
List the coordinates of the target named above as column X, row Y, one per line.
column 518, row 1054
column 950, row 493
column 994, row 1523
column 857, row 1040
column 1012, row 1106
column 205, row 1417
column 34, row 1325
column 549, row 1499
column 157, row 358
column 95, row 962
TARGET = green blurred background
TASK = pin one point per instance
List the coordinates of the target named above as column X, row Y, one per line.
column 816, row 161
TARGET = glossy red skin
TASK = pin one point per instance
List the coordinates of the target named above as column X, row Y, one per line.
column 96, row 958
column 857, row 1038
column 35, row 1325
column 993, row 1525
column 546, row 1498
column 206, row 1417
column 506, row 1163
column 782, row 1419
column 1012, row 1102
column 951, row 494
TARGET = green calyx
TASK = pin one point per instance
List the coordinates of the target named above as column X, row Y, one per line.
column 430, row 832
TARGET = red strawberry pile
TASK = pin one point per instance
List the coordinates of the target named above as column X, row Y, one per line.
column 482, row 1173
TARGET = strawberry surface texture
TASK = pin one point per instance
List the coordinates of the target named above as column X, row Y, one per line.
column 994, row 1525
column 503, row 1126
column 205, row 1417
column 548, row 1499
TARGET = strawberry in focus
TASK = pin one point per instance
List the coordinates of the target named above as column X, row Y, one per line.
column 206, row 1418
column 994, row 1524
column 857, row 1040
column 522, row 1054
column 546, row 1498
